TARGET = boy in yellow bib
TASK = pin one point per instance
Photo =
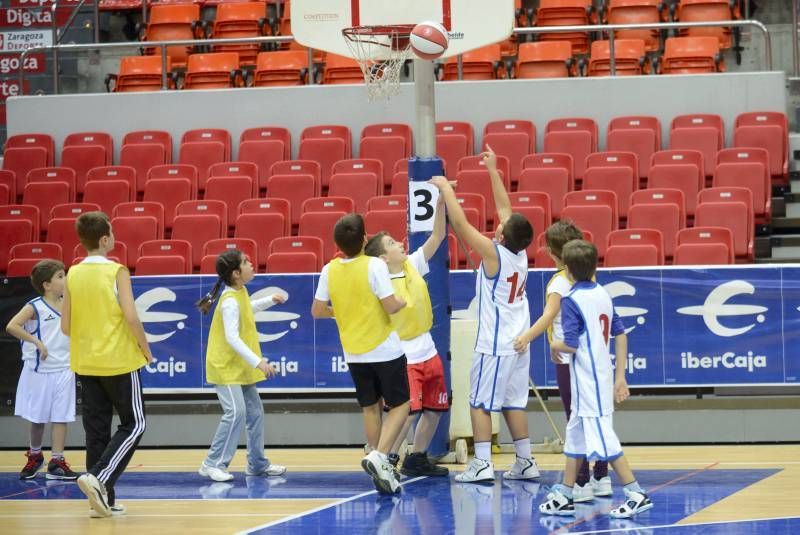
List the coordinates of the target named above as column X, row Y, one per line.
column 107, row 349
column 362, row 296
column 413, row 324
column 234, row 365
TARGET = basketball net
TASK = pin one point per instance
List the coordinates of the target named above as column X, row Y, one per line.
column 381, row 52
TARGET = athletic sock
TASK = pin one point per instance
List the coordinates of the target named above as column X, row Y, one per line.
column 35, row 451
column 523, row 448
column 635, row 487
column 583, row 473
column 600, row 470
column 58, row 455
column 483, row 450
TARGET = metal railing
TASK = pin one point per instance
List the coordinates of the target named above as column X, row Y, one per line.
column 795, row 39
column 610, row 28
column 58, row 35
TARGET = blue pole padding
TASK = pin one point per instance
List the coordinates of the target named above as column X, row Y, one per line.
column 421, row 170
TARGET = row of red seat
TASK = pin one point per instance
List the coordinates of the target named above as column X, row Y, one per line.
column 388, row 143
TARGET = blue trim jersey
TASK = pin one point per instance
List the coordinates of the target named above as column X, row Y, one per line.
column 503, row 312
column 46, row 326
column 589, row 320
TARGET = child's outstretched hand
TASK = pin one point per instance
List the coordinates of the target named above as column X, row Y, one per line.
column 440, row 182
column 266, row 368
column 489, row 159
column 278, row 299
column 621, row 392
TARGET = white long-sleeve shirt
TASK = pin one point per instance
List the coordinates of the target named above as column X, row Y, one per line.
column 230, row 321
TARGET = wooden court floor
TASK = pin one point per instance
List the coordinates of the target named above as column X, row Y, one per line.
column 771, row 497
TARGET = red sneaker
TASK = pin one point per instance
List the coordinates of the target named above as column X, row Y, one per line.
column 35, row 461
column 59, row 469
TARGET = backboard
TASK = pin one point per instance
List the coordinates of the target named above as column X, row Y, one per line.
column 471, row 24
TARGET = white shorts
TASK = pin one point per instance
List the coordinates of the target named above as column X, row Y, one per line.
column 46, row 397
column 499, row 383
column 593, row 438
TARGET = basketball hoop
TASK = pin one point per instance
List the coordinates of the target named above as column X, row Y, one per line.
column 381, row 51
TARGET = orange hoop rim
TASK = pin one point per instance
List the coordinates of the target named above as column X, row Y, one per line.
column 399, row 35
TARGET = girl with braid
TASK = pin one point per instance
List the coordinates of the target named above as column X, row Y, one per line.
column 234, row 365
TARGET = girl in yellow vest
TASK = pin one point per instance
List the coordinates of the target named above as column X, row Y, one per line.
column 234, row 365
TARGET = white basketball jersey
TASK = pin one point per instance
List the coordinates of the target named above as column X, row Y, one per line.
column 46, row 326
column 503, row 312
column 591, row 367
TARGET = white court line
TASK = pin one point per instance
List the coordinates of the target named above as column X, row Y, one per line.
column 321, row 508
column 160, row 515
column 665, row 526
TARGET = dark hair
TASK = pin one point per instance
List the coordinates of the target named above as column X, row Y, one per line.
column 348, row 233
column 227, row 263
column 91, row 226
column 580, row 257
column 375, row 244
column 559, row 234
column 44, row 271
column 517, row 233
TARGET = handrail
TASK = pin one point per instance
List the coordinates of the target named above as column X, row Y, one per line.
column 657, row 26
column 795, row 39
column 611, row 28
column 59, row 35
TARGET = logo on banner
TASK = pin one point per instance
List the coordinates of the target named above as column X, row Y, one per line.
column 151, row 298
column 284, row 366
column 623, row 289
column 339, row 365
column 274, row 316
column 169, row 367
column 716, row 306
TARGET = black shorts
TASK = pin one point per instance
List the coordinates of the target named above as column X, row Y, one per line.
column 376, row 380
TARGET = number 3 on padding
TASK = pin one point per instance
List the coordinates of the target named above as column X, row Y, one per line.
column 423, row 198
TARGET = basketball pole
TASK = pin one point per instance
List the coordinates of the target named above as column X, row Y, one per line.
column 421, row 167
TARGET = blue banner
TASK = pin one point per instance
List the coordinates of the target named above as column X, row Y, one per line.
column 686, row 327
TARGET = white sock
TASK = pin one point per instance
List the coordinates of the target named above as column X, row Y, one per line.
column 523, row 448
column 483, row 450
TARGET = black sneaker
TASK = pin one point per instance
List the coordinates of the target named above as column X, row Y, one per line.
column 417, row 464
column 59, row 469
column 35, row 461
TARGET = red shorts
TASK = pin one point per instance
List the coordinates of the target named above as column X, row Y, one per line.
column 426, row 386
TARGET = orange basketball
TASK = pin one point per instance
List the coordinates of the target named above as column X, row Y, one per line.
column 429, row 40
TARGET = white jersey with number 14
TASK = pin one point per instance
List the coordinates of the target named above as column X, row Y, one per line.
column 503, row 312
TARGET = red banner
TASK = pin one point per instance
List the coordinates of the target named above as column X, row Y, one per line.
column 40, row 3
column 9, row 87
column 34, row 63
column 2, row 114
column 32, row 18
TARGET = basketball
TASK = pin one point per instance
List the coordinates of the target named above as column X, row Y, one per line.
column 429, row 40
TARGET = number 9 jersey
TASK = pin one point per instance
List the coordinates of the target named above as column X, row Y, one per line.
column 503, row 312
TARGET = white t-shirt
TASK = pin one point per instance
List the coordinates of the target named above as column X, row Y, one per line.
column 560, row 285
column 46, row 326
column 381, row 286
column 421, row 348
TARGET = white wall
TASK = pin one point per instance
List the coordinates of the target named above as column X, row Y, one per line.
column 476, row 102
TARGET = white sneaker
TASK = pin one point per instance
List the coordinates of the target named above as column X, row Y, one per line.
column 96, row 492
column 582, row 494
column 377, row 466
column 478, row 471
column 116, row 510
column 557, row 504
column 635, row 503
column 523, row 469
column 602, row 486
column 271, row 470
column 216, row 474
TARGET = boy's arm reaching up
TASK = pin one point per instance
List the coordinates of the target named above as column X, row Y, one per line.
column 475, row 240
column 501, row 201
column 438, row 235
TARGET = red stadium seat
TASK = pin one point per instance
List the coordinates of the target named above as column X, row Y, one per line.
column 320, row 224
column 142, row 208
column 747, row 168
column 574, row 136
column 173, row 22
column 197, row 230
column 615, row 171
column 400, row 183
column 482, row 63
column 133, row 232
column 304, row 244
column 171, row 249
column 662, row 196
column 330, row 131
column 296, row 189
column 637, row 12
column 678, row 169
column 8, row 183
column 639, row 237
column 704, row 245
column 630, row 56
column 730, row 207
column 360, row 187
column 202, row 155
column 169, row 192
column 231, row 191
column 595, row 197
column 281, row 68
column 638, row 134
column 204, row 207
column 44, row 196
column 118, row 254
column 388, row 202
column 161, row 265
column 545, row 59
column 144, row 149
column 478, row 183
column 72, row 210
column 189, row 172
column 270, row 205
column 240, row 19
column 692, row 55
column 262, row 228
column 596, row 218
column 15, row 231
column 108, row 193
column 474, row 202
column 62, row 232
column 513, row 139
column 20, row 160
column 326, row 152
column 25, row 212
column 219, row 246
column 766, row 130
column 475, row 163
column 31, row 140
column 395, row 222
column 329, row 204
column 387, row 143
column 36, row 251
column 269, row 133
column 701, row 132
column 53, row 174
column 663, row 217
column 294, row 262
